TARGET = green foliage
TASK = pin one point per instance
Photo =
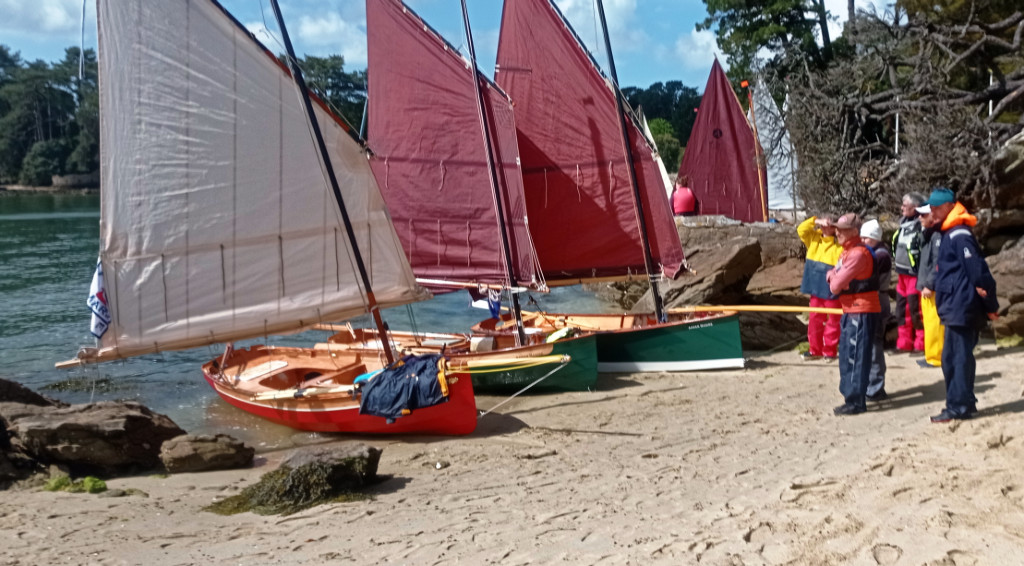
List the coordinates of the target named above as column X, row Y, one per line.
column 40, row 102
column 45, row 159
column 661, row 127
column 745, row 27
column 671, row 101
column 343, row 92
column 670, row 150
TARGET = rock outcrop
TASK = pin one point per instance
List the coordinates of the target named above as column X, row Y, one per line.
column 105, row 439
column 200, row 453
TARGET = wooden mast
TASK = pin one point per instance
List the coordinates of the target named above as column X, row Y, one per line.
column 499, row 209
column 329, row 168
column 659, row 307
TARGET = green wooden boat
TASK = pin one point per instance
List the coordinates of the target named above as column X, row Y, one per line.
column 629, row 343
column 578, row 372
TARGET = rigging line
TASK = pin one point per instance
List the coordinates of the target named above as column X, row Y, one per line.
column 523, row 390
column 493, row 155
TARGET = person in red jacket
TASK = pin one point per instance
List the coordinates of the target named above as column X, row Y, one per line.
column 854, row 281
column 684, row 202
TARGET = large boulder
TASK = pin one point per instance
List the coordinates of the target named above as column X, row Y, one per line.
column 106, row 439
column 720, row 276
column 12, row 392
column 1008, row 270
column 200, row 453
column 778, row 284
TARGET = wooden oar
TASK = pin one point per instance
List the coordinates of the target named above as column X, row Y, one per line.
column 755, row 308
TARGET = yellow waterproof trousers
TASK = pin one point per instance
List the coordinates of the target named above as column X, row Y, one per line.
column 934, row 332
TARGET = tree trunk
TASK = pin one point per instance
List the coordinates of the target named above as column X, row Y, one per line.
column 826, row 42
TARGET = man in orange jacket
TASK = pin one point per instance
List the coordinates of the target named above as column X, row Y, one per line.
column 853, row 280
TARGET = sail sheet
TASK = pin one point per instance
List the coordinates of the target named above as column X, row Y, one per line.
column 721, row 157
column 430, row 158
column 779, row 155
column 578, row 193
column 216, row 220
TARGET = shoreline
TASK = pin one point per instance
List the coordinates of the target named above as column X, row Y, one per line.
column 726, row 467
column 23, row 189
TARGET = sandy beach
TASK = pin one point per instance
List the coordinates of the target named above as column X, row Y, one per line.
column 731, row 467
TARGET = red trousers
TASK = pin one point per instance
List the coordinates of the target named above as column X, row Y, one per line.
column 823, row 329
column 908, row 315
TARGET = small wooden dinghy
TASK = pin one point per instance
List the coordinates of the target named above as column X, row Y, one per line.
column 316, row 390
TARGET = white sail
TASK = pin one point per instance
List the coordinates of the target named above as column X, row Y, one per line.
column 216, row 221
column 780, row 157
column 669, row 185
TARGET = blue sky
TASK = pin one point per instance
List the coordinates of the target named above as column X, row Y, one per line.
column 653, row 40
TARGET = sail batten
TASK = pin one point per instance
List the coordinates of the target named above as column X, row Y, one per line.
column 578, row 191
column 216, row 222
column 430, row 159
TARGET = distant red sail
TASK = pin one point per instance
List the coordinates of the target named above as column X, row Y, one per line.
column 578, row 193
column 721, row 156
column 429, row 154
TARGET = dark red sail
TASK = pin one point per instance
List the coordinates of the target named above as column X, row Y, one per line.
column 721, row 156
column 430, row 158
column 578, row 193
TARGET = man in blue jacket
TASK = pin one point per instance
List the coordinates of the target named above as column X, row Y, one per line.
column 965, row 294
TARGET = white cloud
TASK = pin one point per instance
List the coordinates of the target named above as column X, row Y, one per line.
column 50, row 16
column 839, row 9
column 698, row 49
column 626, row 34
column 328, row 33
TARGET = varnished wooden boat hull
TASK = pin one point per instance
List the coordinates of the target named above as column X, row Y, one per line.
column 334, row 412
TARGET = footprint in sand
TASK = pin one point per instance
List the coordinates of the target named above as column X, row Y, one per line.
column 815, row 489
column 885, row 554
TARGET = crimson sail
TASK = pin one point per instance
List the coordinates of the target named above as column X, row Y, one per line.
column 578, row 193
column 430, row 160
column 721, row 157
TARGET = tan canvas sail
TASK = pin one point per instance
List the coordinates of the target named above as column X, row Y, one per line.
column 216, row 221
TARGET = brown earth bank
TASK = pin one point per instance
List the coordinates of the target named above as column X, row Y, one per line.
column 730, row 467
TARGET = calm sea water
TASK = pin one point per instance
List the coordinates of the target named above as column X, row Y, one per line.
column 48, row 250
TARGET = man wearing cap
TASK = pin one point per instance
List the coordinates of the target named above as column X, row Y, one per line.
column 818, row 234
column 965, row 294
column 871, row 235
column 906, row 248
column 853, row 280
column 934, row 332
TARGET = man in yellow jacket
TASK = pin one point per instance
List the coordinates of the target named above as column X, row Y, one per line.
column 818, row 234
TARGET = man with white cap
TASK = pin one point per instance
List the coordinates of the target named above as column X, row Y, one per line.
column 871, row 234
column 854, row 281
column 934, row 331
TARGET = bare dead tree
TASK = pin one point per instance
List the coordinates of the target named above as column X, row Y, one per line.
column 909, row 107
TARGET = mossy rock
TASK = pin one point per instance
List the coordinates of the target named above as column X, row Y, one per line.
column 88, row 484
column 309, row 477
column 1009, row 341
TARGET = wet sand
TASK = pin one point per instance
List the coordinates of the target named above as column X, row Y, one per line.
column 734, row 467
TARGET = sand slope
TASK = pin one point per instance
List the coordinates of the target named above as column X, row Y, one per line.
column 740, row 467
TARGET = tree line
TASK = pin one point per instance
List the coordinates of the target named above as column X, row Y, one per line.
column 49, row 115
